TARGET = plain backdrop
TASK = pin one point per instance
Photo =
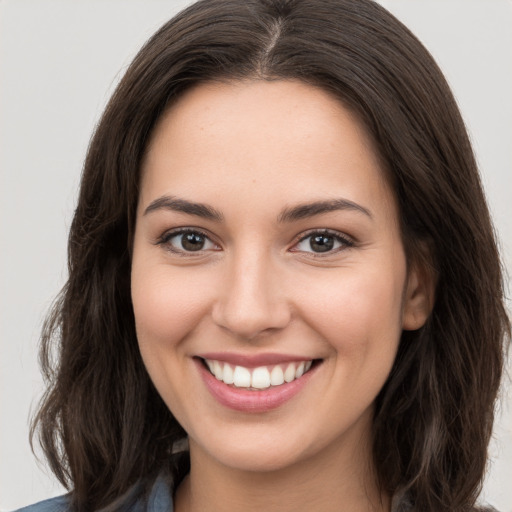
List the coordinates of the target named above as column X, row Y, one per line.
column 59, row 62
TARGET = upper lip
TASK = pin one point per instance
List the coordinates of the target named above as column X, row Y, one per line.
column 253, row 360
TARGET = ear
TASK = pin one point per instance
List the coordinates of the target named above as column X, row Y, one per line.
column 419, row 297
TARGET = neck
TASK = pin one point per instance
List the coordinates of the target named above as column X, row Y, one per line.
column 330, row 480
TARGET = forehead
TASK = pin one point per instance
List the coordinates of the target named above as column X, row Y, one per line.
column 283, row 136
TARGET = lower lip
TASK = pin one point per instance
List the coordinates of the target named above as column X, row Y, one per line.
column 243, row 400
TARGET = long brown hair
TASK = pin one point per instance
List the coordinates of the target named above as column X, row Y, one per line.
column 102, row 424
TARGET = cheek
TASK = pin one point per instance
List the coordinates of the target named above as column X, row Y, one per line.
column 359, row 320
column 358, row 313
column 167, row 305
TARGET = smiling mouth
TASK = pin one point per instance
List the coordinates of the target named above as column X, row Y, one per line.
column 261, row 377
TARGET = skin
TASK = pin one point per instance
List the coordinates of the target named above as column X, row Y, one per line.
column 249, row 150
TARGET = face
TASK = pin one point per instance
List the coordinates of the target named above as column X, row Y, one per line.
column 269, row 281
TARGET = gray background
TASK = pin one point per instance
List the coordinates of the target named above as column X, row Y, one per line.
column 59, row 62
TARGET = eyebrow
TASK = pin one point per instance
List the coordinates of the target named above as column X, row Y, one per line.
column 182, row 205
column 303, row 211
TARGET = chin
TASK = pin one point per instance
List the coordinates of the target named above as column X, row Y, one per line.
column 254, row 453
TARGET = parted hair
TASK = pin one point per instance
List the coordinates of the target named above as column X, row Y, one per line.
column 103, row 426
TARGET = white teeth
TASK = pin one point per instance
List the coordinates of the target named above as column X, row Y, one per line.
column 242, row 377
column 260, row 378
column 257, row 378
column 277, row 376
column 289, row 373
column 217, row 370
column 228, row 374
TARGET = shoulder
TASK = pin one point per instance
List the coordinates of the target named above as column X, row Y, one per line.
column 59, row 504
column 160, row 500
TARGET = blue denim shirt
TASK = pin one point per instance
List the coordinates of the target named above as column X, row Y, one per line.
column 160, row 500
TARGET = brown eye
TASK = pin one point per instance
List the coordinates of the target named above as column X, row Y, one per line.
column 319, row 242
column 192, row 241
column 187, row 241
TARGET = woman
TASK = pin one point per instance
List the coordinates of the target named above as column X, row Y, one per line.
column 284, row 287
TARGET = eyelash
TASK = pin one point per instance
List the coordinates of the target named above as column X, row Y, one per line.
column 344, row 241
column 165, row 239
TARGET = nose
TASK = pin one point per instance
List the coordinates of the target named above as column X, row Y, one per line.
column 252, row 300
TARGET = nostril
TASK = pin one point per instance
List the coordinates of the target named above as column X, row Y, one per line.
column 248, row 322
